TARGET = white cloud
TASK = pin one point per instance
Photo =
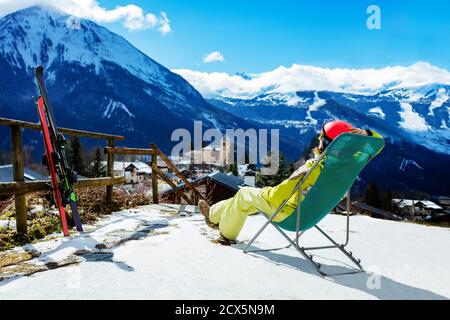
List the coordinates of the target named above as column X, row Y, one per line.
column 213, row 56
column 131, row 16
column 304, row 77
column 164, row 25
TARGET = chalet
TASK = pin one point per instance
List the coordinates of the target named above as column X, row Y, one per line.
column 119, row 167
column 181, row 163
column 217, row 186
column 162, row 165
column 416, row 207
column 134, row 172
column 221, row 186
column 138, row 172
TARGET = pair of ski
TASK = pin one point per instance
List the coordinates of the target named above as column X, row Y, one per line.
column 55, row 159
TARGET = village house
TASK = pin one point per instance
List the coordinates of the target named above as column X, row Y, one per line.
column 162, row 165
column 181, row 163
column 221, row 186
column 119, row 167
column 217, row 186
column 138, row 172
column 416, row 207
column 134, row 172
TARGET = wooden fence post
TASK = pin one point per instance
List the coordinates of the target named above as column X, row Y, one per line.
column 196, row 199
column 18, row 170
column 155, row 179
column 110, row 173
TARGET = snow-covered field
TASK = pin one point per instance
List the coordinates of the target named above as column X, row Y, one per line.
column 156, row 252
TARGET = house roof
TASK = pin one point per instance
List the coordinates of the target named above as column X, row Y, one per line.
column 140, row 167
column 118, row 165
column 6, row 174
column 401, row 203
column 430, row 205
column 171, row 175
column 227, row 180
column 182, row 184
column 161, row 163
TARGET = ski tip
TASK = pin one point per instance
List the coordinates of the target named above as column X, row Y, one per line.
column 39, row 70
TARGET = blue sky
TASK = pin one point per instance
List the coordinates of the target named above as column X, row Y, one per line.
column 256, row 36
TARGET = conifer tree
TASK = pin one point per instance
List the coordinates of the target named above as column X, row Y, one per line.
column 283, row 172
column 234, row 169
column 371, row 195
column 97, row 168
column 75, row 158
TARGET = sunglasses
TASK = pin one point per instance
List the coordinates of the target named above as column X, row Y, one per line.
column 323, row 137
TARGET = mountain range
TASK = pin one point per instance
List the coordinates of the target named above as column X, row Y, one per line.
column 98, row 81
column 414, row 122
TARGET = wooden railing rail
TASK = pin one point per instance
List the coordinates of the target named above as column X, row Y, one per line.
column 72, row 132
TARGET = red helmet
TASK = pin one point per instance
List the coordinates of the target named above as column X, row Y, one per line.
column 334, row 128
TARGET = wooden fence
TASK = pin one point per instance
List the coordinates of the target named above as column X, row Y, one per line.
column 19, row 188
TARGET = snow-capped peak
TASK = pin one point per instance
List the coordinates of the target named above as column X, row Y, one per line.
column 419, row 93
column 58, row 37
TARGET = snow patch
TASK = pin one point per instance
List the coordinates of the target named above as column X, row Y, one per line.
column 274, row 98
column 113, row 106
column 377, row 111
column 318, row 102
column 118, row 222
column 407, row 162
column 212, row 120
column 7, row 224
column 411, row 120
column 441, row 98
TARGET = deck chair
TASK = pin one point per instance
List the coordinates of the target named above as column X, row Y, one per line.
column 343, row 160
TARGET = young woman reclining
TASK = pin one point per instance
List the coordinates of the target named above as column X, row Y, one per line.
column 230, row 215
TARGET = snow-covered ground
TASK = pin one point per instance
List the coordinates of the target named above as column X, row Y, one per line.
column 158, row 252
